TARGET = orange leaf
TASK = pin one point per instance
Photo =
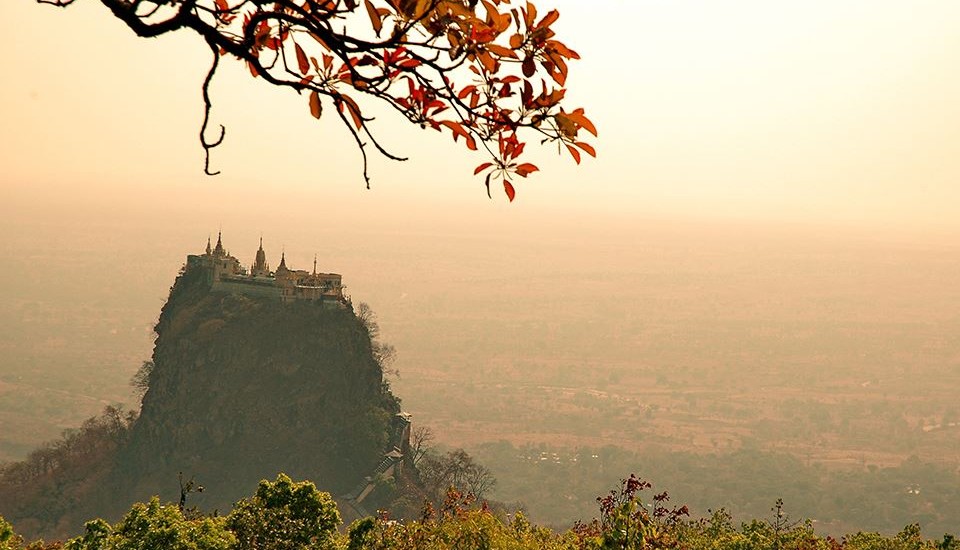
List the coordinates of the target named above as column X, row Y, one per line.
column 316, row 108
column 586, row 147
column 574, row 153
column 584, row 122
column 482, row 167
column 501, row 51
column 562, row 49
column 488, row 62
column 548, row 19
column 531, row 14
column 511, row 192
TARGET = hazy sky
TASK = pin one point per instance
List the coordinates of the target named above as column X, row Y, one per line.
column 836, row 110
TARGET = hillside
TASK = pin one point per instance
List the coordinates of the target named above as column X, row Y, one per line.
column 241, row 387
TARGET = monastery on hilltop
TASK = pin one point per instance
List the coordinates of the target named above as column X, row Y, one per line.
column 226, row 274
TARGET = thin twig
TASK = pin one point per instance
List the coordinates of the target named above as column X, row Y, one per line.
column 208, row 145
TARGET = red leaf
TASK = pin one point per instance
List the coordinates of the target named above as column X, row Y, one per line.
column 466, row 91
column 374, row 17
column 353, row 108
column 456, row 128
column 528, row 67
column 315, row 107
column 511, row 192
column 526, row 168
column 302, row 59
column 482, row 167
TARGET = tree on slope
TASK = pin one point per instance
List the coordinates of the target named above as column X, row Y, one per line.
column 490, row 73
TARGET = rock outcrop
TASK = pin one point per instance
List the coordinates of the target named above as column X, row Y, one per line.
column 242, row 387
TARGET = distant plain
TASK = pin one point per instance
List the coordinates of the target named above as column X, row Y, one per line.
column 838, row 346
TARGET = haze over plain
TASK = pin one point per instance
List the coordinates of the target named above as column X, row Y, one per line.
column 775, row 202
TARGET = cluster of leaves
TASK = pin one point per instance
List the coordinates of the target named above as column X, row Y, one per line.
column 719, row 532
column 153, row 525
column 8, row 539
column 287, row 515
column 488, row 72
column 459, row 524
column 626, row 522
column 284, row 515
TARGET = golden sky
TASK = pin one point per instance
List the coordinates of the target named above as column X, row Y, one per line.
column 839, row 111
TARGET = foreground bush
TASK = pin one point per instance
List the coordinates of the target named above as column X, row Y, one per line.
column 288, row 515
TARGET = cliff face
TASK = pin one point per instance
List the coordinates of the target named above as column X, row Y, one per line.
column 245, row 387
column 242, row 388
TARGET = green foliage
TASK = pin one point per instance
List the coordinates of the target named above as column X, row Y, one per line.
column 910, row 538
column 153, row 525
column 284, row 515
column 288, row 515
column 8, row 539
column 458, row 529
column 626, row 522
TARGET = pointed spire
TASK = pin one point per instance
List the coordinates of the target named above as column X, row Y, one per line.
column 260, row 264
column 314, row 265
column 208, row 245
column 219, row 249
column 282, row 268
